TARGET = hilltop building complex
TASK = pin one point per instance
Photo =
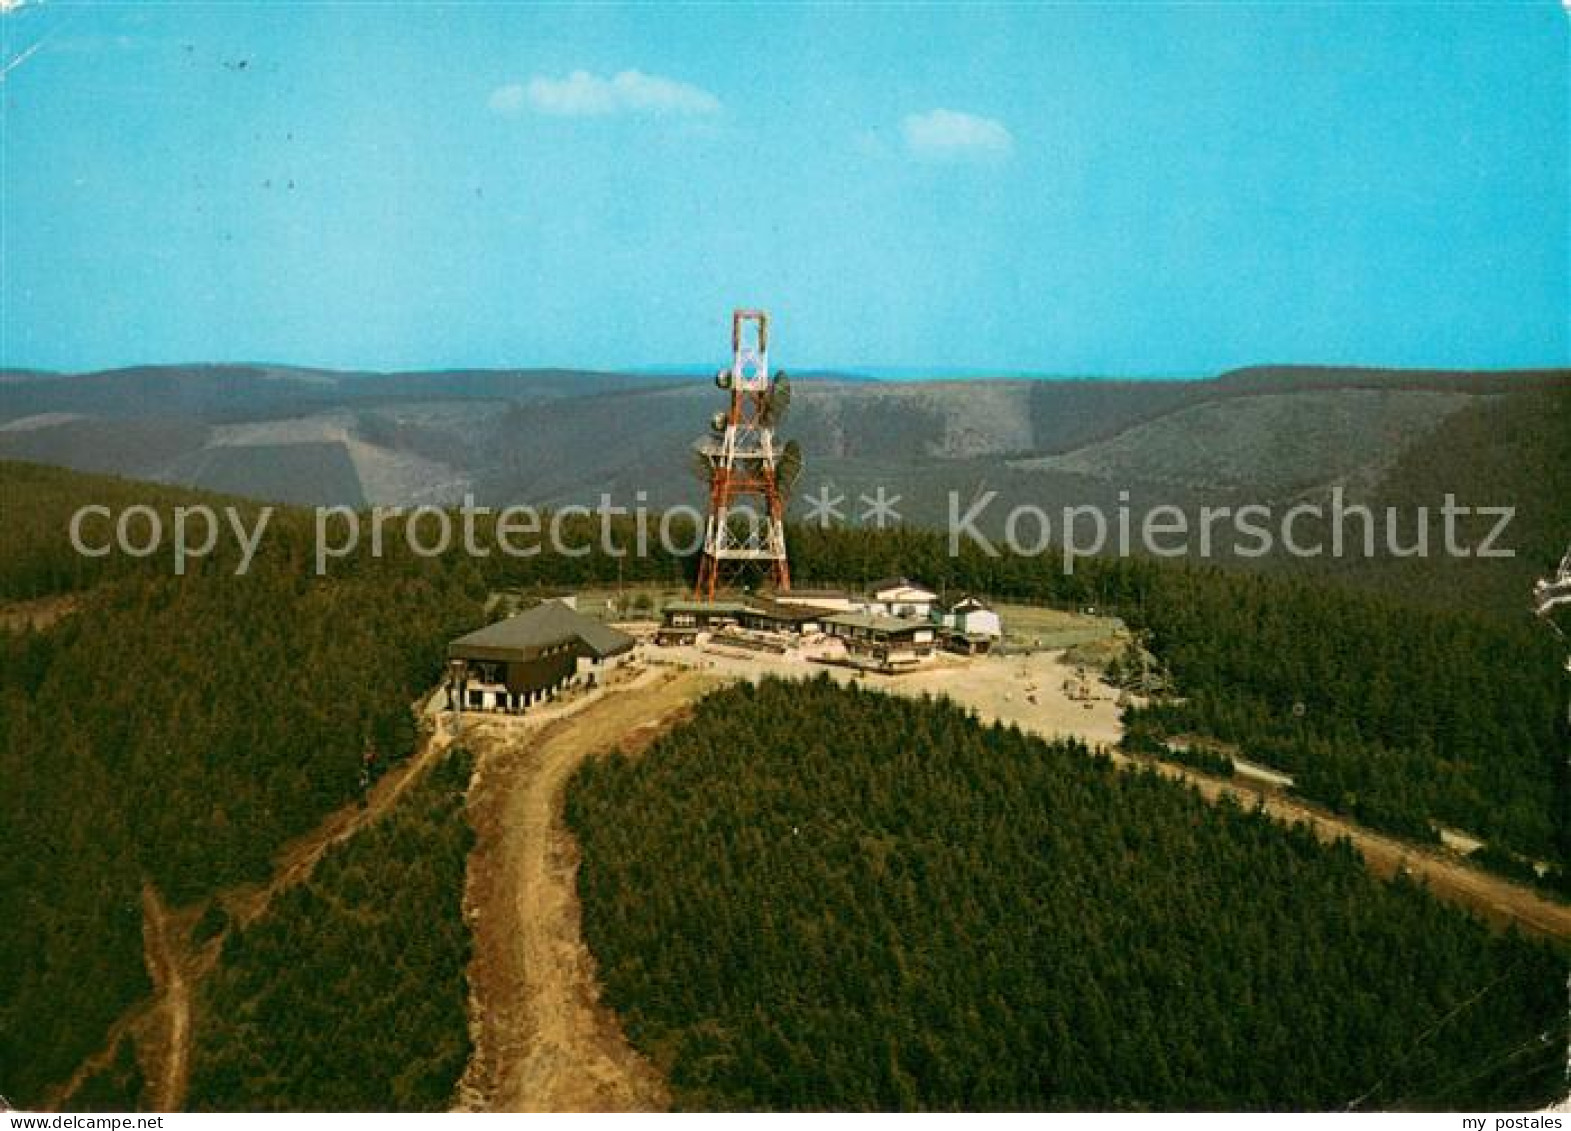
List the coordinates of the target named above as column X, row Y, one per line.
column 531, row 657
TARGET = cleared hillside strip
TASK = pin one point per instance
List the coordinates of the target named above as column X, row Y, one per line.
column 173, row 995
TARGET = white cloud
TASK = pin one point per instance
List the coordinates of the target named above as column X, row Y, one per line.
column 950, row 134
column 7, row 6
column 583, row 95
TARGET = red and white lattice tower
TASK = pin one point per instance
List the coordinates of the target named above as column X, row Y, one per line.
column 1551, row 594
column 745, row 527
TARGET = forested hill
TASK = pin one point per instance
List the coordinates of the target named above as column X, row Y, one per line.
column 350, row 995
column 177, row 731
column 547, row 436
column 835, row 899
column 1403, row 716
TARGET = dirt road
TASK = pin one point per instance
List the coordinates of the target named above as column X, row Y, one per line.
column 1496, row 899
column 162, row 1028
column 993, row 690
column 543, row 1040
column 172, row 993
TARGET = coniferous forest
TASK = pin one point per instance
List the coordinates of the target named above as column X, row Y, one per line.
column 349, row 995
column 1398, row 716
column 178, row 730
column 836, row 899
column 1401, row 714
column 175, row 730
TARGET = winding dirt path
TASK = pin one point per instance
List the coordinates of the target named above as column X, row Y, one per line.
column 163, row 1027
column 1495, row 898
column 298, row 859
column 543, row 1039
column 120, row 1031
column 172, row 992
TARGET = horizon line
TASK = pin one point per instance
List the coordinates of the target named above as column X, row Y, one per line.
column 893, row 374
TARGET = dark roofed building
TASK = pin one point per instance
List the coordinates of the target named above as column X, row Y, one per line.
column 766, row 615
column 684, row 620
column 883, row 643
column 525, row 658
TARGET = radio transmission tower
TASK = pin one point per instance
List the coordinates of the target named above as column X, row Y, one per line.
column 1553, row 592
column 748, row 475
column 1549, row 595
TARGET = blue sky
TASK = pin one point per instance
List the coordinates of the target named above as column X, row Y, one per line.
column 1077, row 188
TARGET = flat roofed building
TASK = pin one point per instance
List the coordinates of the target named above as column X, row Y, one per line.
column 682, row 621
column 881, row 642
column 767, row 615
column 515, row 662
column 701, row 614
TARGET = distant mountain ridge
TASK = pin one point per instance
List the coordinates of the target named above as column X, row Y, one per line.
column 257, row 391
column 308, row 435
column 1268, row 434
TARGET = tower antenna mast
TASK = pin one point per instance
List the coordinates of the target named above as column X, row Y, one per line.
column 742, row 464
column 1553, row 592
column 1549, row 595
